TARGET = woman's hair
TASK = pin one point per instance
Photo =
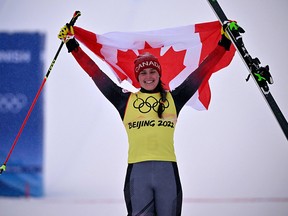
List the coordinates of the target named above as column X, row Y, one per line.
column 163, row 98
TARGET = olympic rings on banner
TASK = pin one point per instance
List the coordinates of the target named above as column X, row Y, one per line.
column 149, row 104
column 12, row 103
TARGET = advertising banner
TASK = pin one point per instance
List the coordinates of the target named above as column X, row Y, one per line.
column 21, row 74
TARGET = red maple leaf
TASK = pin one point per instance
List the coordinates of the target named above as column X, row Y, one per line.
column 171, row 63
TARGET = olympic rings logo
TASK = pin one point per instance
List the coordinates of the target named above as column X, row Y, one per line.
column 151, row 103
column 12, row 103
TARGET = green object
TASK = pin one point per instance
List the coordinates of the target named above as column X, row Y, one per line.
column 233, row 26
column 259, row 77
column 2, row 168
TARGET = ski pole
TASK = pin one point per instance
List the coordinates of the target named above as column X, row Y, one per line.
column 3, row 167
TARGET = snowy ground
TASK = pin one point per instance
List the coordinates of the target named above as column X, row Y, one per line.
column 192, row 207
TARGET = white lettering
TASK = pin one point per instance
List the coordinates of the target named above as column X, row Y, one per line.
column 147, row 64
column 15, row 56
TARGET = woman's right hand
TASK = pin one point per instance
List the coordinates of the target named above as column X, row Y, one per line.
column 66, row 33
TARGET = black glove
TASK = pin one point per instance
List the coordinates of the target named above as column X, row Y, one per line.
column 225, row 42
column 72, row 44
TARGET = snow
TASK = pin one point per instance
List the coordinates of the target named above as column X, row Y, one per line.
column 87, row 207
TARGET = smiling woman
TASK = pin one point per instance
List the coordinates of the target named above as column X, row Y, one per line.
column 149, row 79
column 152, row 184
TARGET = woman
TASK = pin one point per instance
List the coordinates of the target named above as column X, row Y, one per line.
column 152, row 184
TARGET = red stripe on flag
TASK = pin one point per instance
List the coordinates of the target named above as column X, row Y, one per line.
column 210, row 34
column 89, row 39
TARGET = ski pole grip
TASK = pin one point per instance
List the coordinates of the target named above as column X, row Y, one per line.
column 74, row 18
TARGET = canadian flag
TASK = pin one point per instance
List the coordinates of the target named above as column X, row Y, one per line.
column 179, row 50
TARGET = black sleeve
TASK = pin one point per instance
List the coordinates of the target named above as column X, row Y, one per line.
column 112, row 92
column 109, row 89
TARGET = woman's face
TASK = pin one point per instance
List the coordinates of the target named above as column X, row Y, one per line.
column 149, row 79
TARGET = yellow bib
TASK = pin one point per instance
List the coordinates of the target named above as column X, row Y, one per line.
column 150, row 138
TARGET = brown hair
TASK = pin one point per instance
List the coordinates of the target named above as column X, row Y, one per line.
column 163, row 98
